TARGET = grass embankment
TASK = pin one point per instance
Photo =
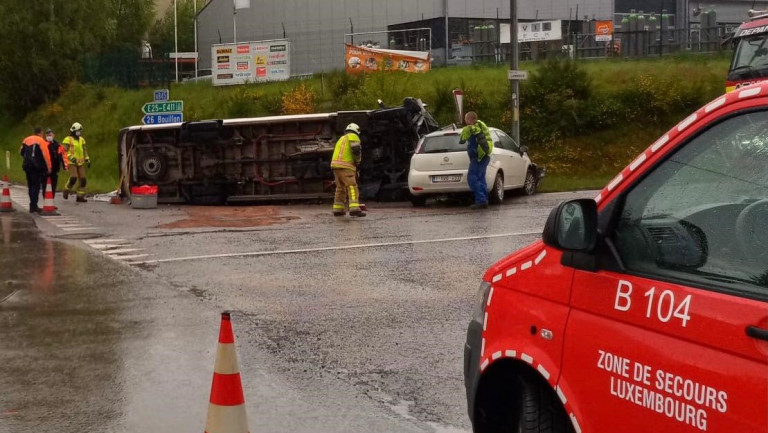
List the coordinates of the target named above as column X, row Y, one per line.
column 584, row 125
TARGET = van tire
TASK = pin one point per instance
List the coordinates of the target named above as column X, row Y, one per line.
column 540, row 411
column 496, row 195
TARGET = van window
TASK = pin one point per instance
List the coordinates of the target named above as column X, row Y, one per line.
column 701, row 216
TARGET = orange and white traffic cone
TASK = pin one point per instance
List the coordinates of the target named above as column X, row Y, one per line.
column 48, row 208
column 226, row 411
column 5, row 198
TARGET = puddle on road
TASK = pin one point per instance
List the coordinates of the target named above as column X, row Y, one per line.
column 243, row 216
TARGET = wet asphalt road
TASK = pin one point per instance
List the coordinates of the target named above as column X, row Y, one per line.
column 342, row 324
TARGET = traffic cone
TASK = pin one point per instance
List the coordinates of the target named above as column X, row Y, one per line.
column 48, row 208
column 226, row 410
column 5, row 198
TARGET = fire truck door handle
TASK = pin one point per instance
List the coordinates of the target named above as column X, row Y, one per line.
column 756, row 332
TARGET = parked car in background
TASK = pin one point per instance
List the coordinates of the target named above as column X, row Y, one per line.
column 440, row 164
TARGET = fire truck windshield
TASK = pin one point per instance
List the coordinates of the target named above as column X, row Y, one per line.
column 751, row 53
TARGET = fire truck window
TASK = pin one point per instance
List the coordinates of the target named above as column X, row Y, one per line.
column 700, row 218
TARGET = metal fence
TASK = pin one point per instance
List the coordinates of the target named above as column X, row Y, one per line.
column 646, row 43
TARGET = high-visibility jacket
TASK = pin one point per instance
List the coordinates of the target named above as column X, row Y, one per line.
column 476, row 130
column 76, row 151
column 347, row 154
column 28, row 145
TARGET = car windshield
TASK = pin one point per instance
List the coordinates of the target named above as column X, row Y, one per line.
column 442, row 143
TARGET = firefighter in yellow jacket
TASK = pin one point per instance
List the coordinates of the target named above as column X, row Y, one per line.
column 77, row 154
column 345, row 161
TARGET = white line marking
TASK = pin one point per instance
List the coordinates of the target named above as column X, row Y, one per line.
column 527, row 358
column 526, row 265
column 615, row 182
column 540, row 257
column 598, row 198
column 103, row 241
column 496, row 278
column 344, row 247
column 107, row 246
column 561, row 395
column 543, row 371
column 137, row 256
column 715, row 105
column 688, row 122
column 636, row 163
column 123, row 251
column 496, row 355
column 576, row 425
column 485, row 321
column 510, row 354
column 750, row 92
column 511, row 271
column 490, row 296
column 483, row 365
column 78, row 229
column 660, row 143
column 482, row 348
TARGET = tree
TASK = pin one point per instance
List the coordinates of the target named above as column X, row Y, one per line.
column 49, row 39
column 161, row 35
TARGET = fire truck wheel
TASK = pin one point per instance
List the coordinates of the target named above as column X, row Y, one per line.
column 540, row 410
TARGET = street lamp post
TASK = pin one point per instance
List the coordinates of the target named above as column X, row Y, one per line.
column 176, row 40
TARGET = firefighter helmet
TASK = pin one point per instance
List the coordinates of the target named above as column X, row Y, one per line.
column 76, row 127
column 354, row 128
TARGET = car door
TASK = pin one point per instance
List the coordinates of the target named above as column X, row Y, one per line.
column 670, row 336
column 516, row 166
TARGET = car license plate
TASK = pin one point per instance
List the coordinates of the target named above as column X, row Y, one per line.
column 447, row 178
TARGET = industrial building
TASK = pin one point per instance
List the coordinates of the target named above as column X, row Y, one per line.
column 318, row 29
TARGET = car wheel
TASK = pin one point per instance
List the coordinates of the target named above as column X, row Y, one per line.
column 529, row 187
column 418, row 201
column 497, row 192
column 540, row 410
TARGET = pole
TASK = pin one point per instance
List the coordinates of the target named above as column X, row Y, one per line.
column 447, row 36
column 513, row 63
column 176, row 40
column 196, row 56
column 234, row 21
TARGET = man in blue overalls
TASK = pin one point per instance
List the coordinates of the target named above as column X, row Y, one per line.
column 479, row 147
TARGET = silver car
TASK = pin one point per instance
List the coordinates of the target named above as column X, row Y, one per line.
column 440, row 164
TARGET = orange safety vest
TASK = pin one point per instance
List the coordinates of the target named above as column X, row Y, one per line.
column 40, row 141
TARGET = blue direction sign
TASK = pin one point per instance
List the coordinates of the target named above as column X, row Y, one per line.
column 163, row 107
column 159, row 119
column 162, row 95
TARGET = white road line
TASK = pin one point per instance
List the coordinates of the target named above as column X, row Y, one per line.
column 107, row 246
column 123, row 251
column 136, row 256
column 79, row 229
column 344, row 247
column 103, row 241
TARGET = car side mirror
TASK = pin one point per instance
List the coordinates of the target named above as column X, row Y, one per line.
column 523, row 149
column 572, row 226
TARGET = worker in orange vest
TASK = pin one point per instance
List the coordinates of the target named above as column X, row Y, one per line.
column 36, row 165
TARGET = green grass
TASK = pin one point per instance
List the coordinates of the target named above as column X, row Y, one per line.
column 584, row 161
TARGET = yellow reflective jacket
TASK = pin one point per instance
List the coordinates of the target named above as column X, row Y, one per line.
column 347, row 153
column 76, row 151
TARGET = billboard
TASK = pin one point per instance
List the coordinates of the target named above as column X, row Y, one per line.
column 534, row 31
column 251, row 62
column 363, row 59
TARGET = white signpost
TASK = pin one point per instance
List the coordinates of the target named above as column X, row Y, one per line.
column 517, row 75
column 534, row 31
column 251, row 62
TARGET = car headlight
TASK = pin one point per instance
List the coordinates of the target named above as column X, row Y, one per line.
column 478, row 313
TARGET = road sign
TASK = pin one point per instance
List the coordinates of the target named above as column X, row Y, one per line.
column 160, row 119
column 162, row 95
column 163, row 107
column 517, row 75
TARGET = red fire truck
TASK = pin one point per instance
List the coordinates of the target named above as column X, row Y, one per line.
column 750, row 56
column 646, row 308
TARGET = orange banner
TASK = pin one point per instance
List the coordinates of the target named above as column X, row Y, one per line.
column 362, row 59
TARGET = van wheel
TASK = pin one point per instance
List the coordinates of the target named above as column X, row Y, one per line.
column 418, row 201
column 497, row 192
column 529, row 187
column 540, row 411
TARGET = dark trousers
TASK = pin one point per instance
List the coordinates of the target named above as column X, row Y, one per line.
column 54, row 181
column 476, row 179
column 33, row 185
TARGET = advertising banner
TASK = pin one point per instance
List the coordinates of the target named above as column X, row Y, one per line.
column 362, row 59
column 251, row 62
column 603, row 31
column 533, row 31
